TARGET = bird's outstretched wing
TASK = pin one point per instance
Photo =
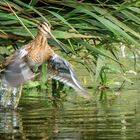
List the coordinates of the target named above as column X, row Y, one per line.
column 61, row 70
column 17, row 70
column 15, row 74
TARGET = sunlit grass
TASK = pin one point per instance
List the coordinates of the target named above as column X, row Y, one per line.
column 90, row 28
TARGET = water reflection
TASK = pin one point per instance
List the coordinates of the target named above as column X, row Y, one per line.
column 35, row 124
column 117, row 118
column 10, row 124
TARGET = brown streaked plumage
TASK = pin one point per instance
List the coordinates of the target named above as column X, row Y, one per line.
column 36, row 52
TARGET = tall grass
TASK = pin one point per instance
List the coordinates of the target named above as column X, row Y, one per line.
column 90, row 28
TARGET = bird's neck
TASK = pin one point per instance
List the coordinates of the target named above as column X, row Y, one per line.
column 41, row 39
column 42, row 43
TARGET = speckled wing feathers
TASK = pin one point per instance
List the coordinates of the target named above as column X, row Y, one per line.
column 61, row 70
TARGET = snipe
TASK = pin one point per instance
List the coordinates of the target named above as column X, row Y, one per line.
column 20, row 65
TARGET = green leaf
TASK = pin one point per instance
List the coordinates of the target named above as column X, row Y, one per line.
column 62, row 19
column 33, row 2
column 96, row 50
column 111, row 26
column 131, row 16
column 4, row 50
column 99, row 64
column 113, row 19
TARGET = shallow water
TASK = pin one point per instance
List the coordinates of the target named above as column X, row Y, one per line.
column 117, row 118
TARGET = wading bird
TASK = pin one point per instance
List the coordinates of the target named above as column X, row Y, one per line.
column 21, row 64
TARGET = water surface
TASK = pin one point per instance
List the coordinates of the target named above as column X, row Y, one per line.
column 38, row 118
column 117, row 118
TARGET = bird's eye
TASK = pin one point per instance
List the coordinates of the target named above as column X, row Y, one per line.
column 40, row 25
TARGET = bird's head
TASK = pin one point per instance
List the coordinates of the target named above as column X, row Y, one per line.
column 44, row 28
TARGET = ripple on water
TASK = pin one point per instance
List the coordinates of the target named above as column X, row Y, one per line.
column 114, row 119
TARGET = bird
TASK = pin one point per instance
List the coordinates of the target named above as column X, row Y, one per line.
column 24, row 62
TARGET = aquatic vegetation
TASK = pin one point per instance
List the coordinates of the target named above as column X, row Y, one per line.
column 90, row 32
